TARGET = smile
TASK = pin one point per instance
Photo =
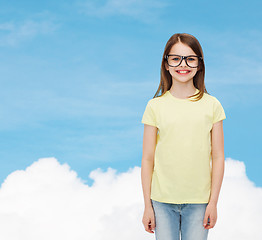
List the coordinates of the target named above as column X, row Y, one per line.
column 183, row 72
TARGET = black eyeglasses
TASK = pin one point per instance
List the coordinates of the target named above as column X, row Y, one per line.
column 174, row 60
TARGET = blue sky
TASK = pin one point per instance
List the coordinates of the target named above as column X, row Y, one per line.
column 76, row 76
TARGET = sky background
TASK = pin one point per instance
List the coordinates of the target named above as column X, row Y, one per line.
column 76, row 77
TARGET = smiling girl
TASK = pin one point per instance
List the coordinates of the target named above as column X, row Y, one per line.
column 183, row 147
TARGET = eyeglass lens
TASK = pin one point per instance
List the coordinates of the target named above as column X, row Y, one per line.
column 174, row 61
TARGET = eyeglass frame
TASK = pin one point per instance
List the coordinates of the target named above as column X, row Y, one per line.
column 183, row 57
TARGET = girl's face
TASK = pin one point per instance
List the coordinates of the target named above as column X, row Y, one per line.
column 183, row 50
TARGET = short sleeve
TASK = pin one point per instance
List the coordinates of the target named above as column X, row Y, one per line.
column 218, row 112
column 149, row 115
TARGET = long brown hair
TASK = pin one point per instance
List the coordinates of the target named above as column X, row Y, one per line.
column 198, row 79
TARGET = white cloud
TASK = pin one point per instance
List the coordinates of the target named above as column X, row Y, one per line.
column 239, row 206
column 236, row 50
column 49, row 201
column 13, row 33
column 31, row 107
column 144, row 10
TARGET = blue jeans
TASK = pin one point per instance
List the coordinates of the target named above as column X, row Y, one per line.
column 186, row 219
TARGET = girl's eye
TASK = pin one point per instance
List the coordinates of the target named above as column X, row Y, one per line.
column 176, row 59
column 192, row 59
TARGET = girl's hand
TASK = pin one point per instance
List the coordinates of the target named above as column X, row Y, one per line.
column 149, row 219
column 210, row 216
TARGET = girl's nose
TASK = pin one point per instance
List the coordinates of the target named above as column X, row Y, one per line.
column 183, row 63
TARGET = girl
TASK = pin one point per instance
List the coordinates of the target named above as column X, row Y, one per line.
column 181, row 127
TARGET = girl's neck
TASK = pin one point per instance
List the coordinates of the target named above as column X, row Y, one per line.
column 182, row 92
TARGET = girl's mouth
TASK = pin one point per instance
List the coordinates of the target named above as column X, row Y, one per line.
column 183, row 72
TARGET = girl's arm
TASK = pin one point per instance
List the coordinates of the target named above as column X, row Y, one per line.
column 217, row 146
column 147, row 165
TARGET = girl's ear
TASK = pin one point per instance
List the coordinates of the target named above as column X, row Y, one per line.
column 166, row 66
column 198, row 68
